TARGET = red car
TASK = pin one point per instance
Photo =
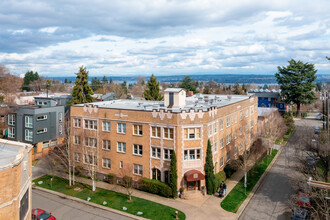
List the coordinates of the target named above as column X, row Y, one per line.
column 304, row 201
column 39, row 214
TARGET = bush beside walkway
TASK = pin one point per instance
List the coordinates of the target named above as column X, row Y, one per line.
column 237, row 195
column 115, row 200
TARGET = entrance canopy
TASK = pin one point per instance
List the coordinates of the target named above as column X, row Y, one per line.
column 193, row 175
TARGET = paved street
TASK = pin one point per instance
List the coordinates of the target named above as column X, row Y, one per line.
column 65, row 209
column 271, row 199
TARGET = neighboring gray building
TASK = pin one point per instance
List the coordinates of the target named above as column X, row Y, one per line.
column 107, row 97
column 53, row 101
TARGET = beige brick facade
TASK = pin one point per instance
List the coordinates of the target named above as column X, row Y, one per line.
column 241, row 128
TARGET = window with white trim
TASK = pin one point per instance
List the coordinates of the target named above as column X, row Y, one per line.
column 221, row 124
column 90, row 124
column 228, row 121
column 240, row 116
column 167, row 154
column 235, row 118
column 106, row 126
column 60, row 116
column 228, row 139
column 106, row 145
column 28, row 121
column 106, row 163
column 228, row 156
column 121, row 164
column 41, row 117
column 221, row 161
column 137, row 130
column 77, row 157
column 168, row 133
column 11, row 132
column 155, row 152
column 60, row 129
column 215, row 127
column 192, row 133
column 137, row 169
column 247, row 113
column 76, row 139
column 235, row 134
column 155, row 132
column 42, row 130
column 251, row 123
column 221, row 143
column 76, row 122
column 192, row 154
column 251, row 110
column 209, row 128
column 90, row 142
column 121, row 128
column 90, row 159
column 11, row 119
column 137, row 149
column 28, row 135
column 121, row 147
column 236, row 150
column 215, row 146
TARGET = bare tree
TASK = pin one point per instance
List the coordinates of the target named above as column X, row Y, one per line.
column 127, row 181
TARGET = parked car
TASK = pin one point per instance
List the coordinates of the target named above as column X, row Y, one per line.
column 304, row 201
column 311, row 162
column 300, row 214
column 39, row 214
column 319, row 116
column 317, row 129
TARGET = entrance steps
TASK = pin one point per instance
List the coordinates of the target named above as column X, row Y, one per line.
column 193, row 194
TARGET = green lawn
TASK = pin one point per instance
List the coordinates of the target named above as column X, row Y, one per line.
column 237, row 196
column 284, row 139
column 114, row 200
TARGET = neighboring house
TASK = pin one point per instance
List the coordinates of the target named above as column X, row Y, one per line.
column 265, row 116
column 15, row 180
column 62, row 100
column 269, row 98
column 42, row 126
column 4, row 110
column 107, row 97
column 138, row 137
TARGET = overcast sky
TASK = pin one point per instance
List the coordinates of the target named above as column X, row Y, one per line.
column 162, row 37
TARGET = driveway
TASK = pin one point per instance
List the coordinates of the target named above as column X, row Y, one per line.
column 65, row 209
column 271, row 199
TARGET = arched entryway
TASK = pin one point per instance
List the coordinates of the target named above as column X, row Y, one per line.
column 156, row 174
column 193, row 179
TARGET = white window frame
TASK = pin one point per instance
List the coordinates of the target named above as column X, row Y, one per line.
column 221, row 124
column 11, row 132
column 228, row 122
column 247, row 113
column 139, row 130
column 28, row 135
column 240, row 115
column 221, row 162
column 157, row 132
column 235, row 134
column 215, row 146
column 196, row 154
column 138, row 168
column 90, row 124
column 121, row 164
column 106, row 163
column 60, row 129
column 42, row 131
column 251, row 124
column 170, row 132
column 76, row 122
column 221, row 143
column 121, row 128
column 228, row 139
column 60, row 116
column 41, row 117
column 76, row 139
column 90, row 142
column 106, row 126
column 77, row 157
column 106, row 144
column 121, row 147
column 228, row 159
column 215, row 127
column 156, row 152
column 235, row 118
column 11, row 119
column 195, row 133
column 167, row 154
column 28, row 124
column 137, row 149
column 251, row 110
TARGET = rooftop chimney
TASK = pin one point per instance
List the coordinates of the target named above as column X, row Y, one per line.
column 190, row 93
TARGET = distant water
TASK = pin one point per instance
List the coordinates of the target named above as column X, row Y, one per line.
column 226, row 79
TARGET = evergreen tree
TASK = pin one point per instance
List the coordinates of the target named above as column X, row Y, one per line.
column 96, row 84
column 82, row 92
column 48, row 85
column 297, row 83
column 29, row 77
column 152, row 92
column 237, row 89
column 244, row 88
column 206, row 90
column 209, row 170
column 173, row 175
column 110, row 81
column 189, row 84
column 104, row 80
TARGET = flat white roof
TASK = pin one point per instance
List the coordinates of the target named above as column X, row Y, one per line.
column 173, row 90
column 11, row 152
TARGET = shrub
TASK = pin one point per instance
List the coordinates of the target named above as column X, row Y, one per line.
column 229, row 170
column 219, row 177
column 112, row 178
column 155, row 187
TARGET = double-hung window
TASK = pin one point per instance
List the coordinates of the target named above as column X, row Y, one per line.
column 221, row 124
column 228, row 139
column 106, row 145
column 28, row 135
column 155, row 132
column 240, row 116
column 121, row 128
column 137, row 130
column 247, row 113
column 121, row 147
column 106, row 126
column 251, row 110
column 137, row 149
column 11, row 119
column 106, row 163
column 228, row 156
column 167, row 154
column 90, row 142
column 192, row 154
column 60, row 116
column 251, row 123
column 11, row 132
column 168, row 133
column 192, row 133
column 138, row 169
column 221, row 143
column 76, row 139
column 228, row 121
column 28, row 121
column 76, row 122
column 90, row 124
column 155, row 152
column 77, row 156
column 221, row 161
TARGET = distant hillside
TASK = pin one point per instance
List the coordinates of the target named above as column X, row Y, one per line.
column 227, row 79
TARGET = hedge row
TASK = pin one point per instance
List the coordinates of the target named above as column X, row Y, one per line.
column 155, row 187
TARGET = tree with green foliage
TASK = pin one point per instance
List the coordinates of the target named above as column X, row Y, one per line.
column 152, row 91
column 96, row 84
column 318, row 86
column 173, row 175
column 82, row 92
column 297, row 83
column 104, row 80
column 29, row 77
column 244, row 88
column 189, row 84
column 209, row 170
column 237, row 89
column 207, row 90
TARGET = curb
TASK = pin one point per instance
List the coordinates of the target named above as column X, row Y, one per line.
column 89, row 203
column 255, row 188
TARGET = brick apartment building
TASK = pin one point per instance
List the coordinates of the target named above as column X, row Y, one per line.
column 15, row 180
column 138, row 137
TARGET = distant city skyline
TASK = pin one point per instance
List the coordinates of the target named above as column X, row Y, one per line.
column 162, row 37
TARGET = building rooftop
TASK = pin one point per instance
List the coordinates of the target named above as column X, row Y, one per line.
column 264, row 112
column 11, row 153
column 196, row 102
column 173, row 90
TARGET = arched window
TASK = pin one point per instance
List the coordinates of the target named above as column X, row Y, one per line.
column 167, row 176
column 156, row 174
